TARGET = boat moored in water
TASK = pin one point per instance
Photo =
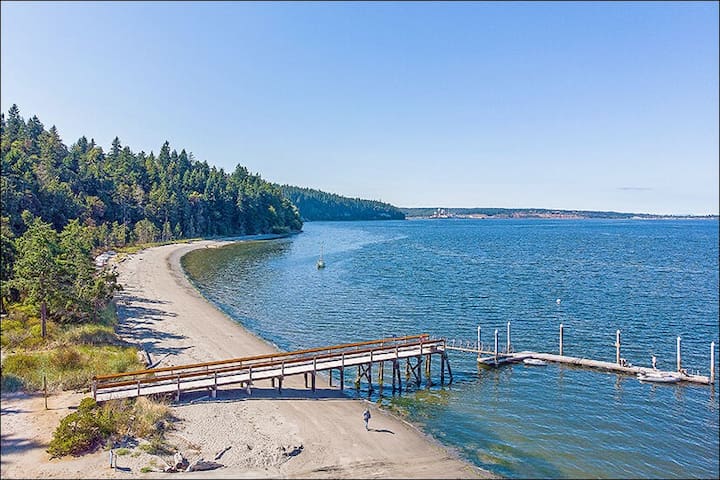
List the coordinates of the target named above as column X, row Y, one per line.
column 535, row 362
column 657, row 377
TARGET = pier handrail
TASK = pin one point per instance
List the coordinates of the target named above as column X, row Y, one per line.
column 226, row 366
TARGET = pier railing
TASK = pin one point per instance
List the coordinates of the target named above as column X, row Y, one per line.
column 272, row 366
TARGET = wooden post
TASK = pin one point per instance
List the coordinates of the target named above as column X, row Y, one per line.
column 94, row 389
column 280, row 379
column 369, row 375
column 45, row 389
column 496, row 344
column 214, row 392
column 313, row 373
column 330, row 378
column 138, row 388
column 679, row 359
column 418, row 376
column 398, row 376
column 617, row 347
column 447, row 362
column 272, row 382
column 381, row 373
column 177, row 397
column 561, row 339
column 712, row 362
column 342, row 371
column 394, row 365
column 442, row 367
column 305, row 376
column 508, row 338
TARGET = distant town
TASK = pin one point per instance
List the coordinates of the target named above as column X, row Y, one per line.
column 488, row 213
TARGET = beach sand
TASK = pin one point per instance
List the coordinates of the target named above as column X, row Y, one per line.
column 160, row 310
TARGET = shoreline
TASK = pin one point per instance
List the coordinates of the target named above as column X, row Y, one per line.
column 162, row 312
column 252, row 344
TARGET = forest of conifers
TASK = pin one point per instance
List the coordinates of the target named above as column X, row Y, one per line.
column 316, row 205
column 54, row 197
column 60, row 204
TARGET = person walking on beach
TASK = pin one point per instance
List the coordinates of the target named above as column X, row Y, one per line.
column 366, row 417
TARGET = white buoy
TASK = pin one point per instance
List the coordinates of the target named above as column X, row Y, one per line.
column 558, row 301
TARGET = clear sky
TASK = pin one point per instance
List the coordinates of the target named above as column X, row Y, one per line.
column 594, row 106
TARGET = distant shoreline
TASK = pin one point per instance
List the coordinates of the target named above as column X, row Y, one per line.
column 538, row 213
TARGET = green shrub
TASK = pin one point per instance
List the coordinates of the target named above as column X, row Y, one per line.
column 12, row 383
column 14, row 332
column 67, row 358
column 92, row 425
column 27, row 368
column 81, row 431
column 20, row 362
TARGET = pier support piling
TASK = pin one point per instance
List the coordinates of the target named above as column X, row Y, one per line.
column 479, row 343
column 496, row 344
column 617, row 347
column 442, row 367
column 509, row 346
column 712, row 363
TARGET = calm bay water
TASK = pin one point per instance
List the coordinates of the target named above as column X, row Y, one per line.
column 653, row 280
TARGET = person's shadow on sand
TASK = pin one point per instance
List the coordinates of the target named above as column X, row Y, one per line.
column 381, row 430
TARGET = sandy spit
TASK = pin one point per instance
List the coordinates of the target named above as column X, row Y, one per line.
column 299, row 434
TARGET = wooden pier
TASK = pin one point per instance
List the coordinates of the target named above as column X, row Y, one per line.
column 414, row 350
column 498, row 357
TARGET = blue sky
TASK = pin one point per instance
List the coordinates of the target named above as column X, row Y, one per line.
column 595, row 106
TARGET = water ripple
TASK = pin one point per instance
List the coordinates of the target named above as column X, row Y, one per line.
column 652, row 280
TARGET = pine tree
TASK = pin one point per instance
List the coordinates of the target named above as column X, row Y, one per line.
column 37, row 270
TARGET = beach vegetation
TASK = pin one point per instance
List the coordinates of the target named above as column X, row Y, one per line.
column 93, row 425
column 67, row 358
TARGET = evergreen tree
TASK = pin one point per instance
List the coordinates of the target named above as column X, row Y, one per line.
column 37, row 271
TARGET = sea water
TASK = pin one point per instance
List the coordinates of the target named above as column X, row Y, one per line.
column 653, row 280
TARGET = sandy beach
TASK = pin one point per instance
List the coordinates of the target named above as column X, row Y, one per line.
column 296, row 434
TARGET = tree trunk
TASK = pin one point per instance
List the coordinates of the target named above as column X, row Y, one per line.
column 43, row 318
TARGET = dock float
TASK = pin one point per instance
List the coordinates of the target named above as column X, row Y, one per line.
column 497, row 357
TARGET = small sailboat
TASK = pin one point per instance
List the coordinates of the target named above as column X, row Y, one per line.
column 321, row 263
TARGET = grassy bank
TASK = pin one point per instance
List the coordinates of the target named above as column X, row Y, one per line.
column 69, row 355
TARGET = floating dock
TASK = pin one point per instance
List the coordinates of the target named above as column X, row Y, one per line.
column 497, row 358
